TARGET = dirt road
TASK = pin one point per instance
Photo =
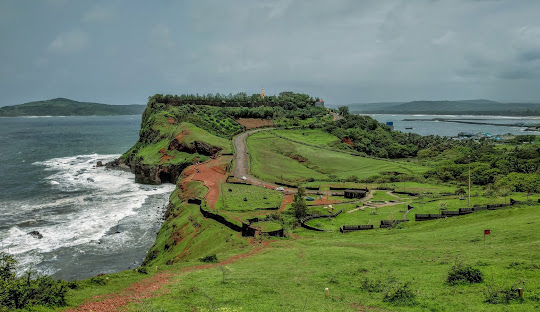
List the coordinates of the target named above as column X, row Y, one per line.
column 241, row 163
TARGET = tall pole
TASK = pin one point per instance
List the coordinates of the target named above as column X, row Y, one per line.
column 469, row 201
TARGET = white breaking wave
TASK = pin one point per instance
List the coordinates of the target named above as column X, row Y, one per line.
column 93, row 201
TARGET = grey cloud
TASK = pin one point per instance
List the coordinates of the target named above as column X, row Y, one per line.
column 344, row 50
column 521, row 72
column 99, row 14
column 531, row 55
column 69, row 42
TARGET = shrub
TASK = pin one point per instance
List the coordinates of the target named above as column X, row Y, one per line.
column 400, row 293
column 371, row 285
column 497, row 294
column 209, row 258
column 141, row 270
column 464, row 274
column 29, row 289
column 98, row 280
column 73, row 285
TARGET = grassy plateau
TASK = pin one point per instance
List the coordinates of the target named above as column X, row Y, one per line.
column 206, row 265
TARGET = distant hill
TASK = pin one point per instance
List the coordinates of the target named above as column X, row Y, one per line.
column 371, row 106
column 465, row 107
column 67, row 107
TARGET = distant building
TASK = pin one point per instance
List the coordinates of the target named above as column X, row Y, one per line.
column 390, row 124
column 262, row 93
column 319, row 103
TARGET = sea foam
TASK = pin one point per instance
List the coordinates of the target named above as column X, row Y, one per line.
column 85, row 205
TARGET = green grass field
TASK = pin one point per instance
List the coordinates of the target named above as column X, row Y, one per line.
column 367, row 216
column 310, row 136
column 270, row 159
column 231, row 197
column 293, row 273
column 360, row 269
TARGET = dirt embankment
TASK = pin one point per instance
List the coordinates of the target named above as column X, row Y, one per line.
column 211, row 174
column 251, row 123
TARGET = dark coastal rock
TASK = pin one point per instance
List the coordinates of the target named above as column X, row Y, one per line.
column 149, row 174
column 118, row 164
column 152, row 174
column 194, row 147
column 36, row 234
column 99, row 164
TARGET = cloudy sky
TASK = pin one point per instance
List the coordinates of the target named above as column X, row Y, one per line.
column 121, row 52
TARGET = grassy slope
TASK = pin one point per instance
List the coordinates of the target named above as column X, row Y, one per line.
column 292, row 274
column 151, row 153
column 269, row 161
column 311, row 136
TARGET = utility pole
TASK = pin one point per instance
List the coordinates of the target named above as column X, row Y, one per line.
column 469, row 200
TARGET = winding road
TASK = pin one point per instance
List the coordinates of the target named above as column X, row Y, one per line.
column 241, row 163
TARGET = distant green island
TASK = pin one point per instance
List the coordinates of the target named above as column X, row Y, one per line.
column 67, row 107
column 465, row 107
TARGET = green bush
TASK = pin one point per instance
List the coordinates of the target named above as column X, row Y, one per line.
column 400, row 294
column 29, row 289
column 98, row 280
column 371, row 285
column 210, row 258
column 464, row 274
column 142, row 270
column 497, row 294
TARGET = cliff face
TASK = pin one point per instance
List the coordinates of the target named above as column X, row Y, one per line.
column 167, row 145
column 150, row 174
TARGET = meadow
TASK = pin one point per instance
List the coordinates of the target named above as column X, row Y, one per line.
column 404, row 268
column 360, row 268
column 273, row 159
column 245, row 197
column 310, row 136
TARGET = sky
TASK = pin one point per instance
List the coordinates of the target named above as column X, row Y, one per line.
column 344, row 51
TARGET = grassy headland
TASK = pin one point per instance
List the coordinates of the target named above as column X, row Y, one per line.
column 210, row 266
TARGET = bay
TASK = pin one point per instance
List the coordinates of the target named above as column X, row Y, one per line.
column 420, row 124
column 93, row 220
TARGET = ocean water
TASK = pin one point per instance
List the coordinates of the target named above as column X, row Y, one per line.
column 93, row 220
column 421, row 126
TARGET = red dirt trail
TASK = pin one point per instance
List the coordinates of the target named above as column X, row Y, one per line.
column 211, row 173
column 150, row 287
column 155, row 285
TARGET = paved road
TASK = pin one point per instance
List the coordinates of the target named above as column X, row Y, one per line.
column 241, row 163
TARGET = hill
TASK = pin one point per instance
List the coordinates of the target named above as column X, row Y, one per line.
column 67, row 107
column 232, row 240
column 464, row 107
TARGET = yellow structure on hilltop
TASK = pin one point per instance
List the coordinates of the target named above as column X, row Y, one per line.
column 262, row 93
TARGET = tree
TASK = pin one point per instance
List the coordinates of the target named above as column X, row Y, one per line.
column 7, row 266
column 443, row 205
column 29, row 289
column 343, row 110
column 505, row 191
column 224, row 271
column 299, row 204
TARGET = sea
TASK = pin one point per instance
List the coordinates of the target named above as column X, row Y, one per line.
column 95, row 220
column 425, row 125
